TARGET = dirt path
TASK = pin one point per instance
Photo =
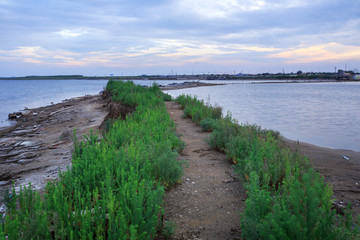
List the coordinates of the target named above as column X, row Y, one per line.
column 207, row 202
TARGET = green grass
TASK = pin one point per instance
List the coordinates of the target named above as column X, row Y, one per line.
column 286, row 198
column 115, row 187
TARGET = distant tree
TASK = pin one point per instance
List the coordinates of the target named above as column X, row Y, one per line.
column 299, row 72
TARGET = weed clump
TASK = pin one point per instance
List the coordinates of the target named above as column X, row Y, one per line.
column 207, row 124
column 197, row 110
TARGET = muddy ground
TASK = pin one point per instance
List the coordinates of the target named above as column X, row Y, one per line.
column 41, row 143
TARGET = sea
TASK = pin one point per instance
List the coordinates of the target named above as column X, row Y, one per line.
column 16, row 95
column 324, row 114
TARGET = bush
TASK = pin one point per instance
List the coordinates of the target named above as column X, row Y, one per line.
column 168, row 229
column 197, row 110
column 207, row 124
column 167, row 97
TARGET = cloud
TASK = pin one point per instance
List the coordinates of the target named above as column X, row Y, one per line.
column 71, row 33
column 228, row 8
column 324, row 52
column 179, row 32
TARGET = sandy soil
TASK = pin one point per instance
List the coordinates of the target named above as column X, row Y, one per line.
column 341, row 173
column 207, row 202
column 40, row 144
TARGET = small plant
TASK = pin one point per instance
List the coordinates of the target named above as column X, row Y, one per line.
column 65, row 136
column 168, row 229
column 167, row 97
column 207, row 124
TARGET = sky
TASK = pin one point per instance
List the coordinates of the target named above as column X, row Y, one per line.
column 135, row 37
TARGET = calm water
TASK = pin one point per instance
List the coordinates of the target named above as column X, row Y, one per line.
column 325, row 114
column 15, row 95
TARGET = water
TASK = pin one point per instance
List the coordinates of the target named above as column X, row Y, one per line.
column 325, row 114
column 15, row 95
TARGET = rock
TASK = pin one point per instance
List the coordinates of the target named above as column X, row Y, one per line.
column 15, row 115
column 2, row 183
column 339, row 207
column 6, row 176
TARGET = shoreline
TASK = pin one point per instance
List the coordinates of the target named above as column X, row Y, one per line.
column 40, row 144
column 339, row 167
column 184, row 85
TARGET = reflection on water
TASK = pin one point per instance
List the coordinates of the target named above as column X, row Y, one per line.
column 325, row 114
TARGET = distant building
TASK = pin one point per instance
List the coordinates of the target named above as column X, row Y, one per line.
column 341, row 72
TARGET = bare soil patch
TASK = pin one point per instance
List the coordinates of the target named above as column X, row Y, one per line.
column 207, row 202
column 41, row 143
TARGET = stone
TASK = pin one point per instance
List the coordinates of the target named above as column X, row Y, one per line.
column 15, row 115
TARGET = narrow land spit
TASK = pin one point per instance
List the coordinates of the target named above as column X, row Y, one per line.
column 207, row 202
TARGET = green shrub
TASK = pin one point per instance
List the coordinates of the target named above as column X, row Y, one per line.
column 216, row 112
column 168, row 229
column 167, row 98
column 197, row 110
column 300, row 209
column 207, row 124
column 224, row 129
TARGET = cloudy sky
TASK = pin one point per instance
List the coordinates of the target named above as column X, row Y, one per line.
column 132, row 37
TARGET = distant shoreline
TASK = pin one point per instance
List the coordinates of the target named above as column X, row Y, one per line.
column 270, row 78
column 224, row 81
